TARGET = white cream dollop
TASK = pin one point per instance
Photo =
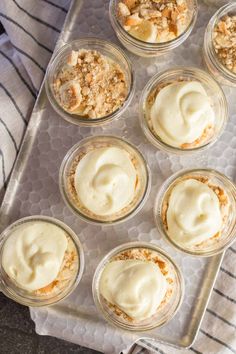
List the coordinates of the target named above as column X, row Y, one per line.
column 193, row 213
column 105, row 180
column 181, row 112
column 33, row 254
column 136, row 287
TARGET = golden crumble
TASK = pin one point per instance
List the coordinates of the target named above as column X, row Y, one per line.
column 90, row 84
column 224, row 42
column 160, row 20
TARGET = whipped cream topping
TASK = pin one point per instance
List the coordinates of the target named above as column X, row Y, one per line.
column 181, row 112
column 136, row 287
column 33, row 254
column 105, row 180
column 193, row 214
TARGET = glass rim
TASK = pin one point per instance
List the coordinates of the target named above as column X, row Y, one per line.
column 158, row 78
column 76, row 211
column 106, row 259
column 152, row 45
column 208, row 42
column 76, row 118
column 36, row 301
column 159, row 201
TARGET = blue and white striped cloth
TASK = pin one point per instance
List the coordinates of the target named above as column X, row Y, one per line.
column 32, row 28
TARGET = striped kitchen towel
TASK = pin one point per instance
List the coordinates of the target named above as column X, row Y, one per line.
column 32, row 28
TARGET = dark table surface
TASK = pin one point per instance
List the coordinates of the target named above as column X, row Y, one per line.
column 17, row 334
column 17, row 330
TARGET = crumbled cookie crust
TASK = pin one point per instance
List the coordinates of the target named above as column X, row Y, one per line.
column 144, row 254
column 66, row 274
column 170, row 18
column 90, row 84
column 224, row 42
column 221, row 195
column 207, row 134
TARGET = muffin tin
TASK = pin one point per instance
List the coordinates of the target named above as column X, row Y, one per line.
column 34, row 189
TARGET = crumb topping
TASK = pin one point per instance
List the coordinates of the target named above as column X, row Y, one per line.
column 224, row 42
column 154, row 20
column 90, row 84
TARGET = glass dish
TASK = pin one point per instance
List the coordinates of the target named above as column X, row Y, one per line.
column 214, row 245
column 214, row 91
column 91, row 143
column 13, row 291
column 215, row 67
column 146, row 49
column 109, row 50
column 166, row 312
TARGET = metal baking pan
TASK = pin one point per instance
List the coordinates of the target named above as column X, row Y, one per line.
column 33, row 189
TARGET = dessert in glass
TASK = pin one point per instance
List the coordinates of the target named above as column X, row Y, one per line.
column 41, row 261
column 90, row 81
column 183, row 110
column 219, row 45
column 137, row 286
column 104, row 179
column 195, row 211
column 152, row 28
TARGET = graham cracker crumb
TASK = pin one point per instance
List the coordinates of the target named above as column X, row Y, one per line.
column 90, row 84
column 224, row 42
column 168, row 19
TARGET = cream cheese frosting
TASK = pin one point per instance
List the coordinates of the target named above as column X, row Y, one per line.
column 134, row 286
column 105, row 180
column 33, row 254
column 181, row 112
column 193, row 213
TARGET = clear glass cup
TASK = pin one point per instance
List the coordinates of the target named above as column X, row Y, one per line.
column 165, row 312
column 91, row 143
column 214, row 92
column 228, row 235
column 24, row 297
column 107, row 49
column 146, row 49
column 215, row 67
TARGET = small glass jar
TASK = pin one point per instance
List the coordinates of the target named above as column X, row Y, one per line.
column 91, row 143
column 215, row 67
column 107, row 49
column 212, row 246
column 146, row 49
column 213, row 90
column 11, row 289
column 164, row 313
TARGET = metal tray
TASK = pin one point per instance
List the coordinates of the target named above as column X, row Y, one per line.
column 33, row 189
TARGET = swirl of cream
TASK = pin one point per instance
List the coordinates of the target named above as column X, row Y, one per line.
column 105, row 180
column 136, row 287
column 33, row 254
column 193, row 213
column 181, row 112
